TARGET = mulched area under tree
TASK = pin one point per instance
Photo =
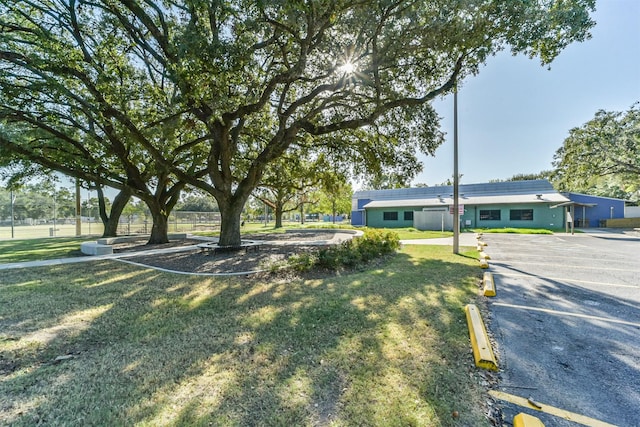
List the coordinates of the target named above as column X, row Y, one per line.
column 240, row 261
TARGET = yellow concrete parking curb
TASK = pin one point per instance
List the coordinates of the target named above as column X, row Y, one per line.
column 525, row 420
column 484, row 263
column 484, row 255
column 548, row 409
column 480, row 344
column 489, row 285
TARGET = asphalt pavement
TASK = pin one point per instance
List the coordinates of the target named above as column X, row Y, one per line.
column 566, row 324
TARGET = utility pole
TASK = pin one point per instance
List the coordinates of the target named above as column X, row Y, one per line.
column 456, row 216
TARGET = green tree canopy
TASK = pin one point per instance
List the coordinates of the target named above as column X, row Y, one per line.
column 546, row 174
column 197, row 202
column 335, row 197
column 163, row 94
column 602, row 156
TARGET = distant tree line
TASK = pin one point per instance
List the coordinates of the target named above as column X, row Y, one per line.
column 32, row 202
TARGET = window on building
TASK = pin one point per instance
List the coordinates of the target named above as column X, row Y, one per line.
column 390, row 216
column 490, row 215
column 521, row 215
column 408, row 215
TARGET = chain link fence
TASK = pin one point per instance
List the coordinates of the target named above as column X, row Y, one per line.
column 178, row 222
column 32, row 213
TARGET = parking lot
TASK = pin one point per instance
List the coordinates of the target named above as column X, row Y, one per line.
column 566, row 321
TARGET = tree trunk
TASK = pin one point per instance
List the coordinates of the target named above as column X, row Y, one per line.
column 230, row 224
column 333, row 209
column 110, row 227
column 118, row 205
column 102, row 208
column 279, row 215
column 160, row 228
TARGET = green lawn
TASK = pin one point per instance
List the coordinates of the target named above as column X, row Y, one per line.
column 387, row 346
column 413, row 234
column 38, row 249
column 515, row 230
column 44, row 230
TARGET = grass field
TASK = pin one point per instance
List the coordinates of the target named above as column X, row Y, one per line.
column 40, row 249
column 516, row 230
column 46, row 230
column 113, row 344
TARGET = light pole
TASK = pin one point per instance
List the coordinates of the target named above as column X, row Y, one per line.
column 456, row 216
column 78, row 210
column 54, row 212
column 13, row 200
column 89, row 209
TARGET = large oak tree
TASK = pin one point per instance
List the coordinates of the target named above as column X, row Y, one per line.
column 607, row 146
column 210, row 93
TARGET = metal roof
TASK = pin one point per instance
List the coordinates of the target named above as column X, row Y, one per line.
column 478, row 200
column 511, row 192
column 508, row 188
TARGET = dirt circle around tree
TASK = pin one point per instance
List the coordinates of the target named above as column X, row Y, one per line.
column 274, row 251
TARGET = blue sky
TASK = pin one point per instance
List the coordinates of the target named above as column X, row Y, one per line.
column 515, row 114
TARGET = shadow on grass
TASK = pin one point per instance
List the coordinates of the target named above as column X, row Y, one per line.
column 39, row 249
column 387, row 346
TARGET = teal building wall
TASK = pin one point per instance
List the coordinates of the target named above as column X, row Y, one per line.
column 375, row 217
column 542, row 216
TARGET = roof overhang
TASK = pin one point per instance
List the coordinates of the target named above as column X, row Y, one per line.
column 572, row 203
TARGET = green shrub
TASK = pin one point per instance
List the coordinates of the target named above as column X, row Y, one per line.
column 303, row 262
column 373, row 244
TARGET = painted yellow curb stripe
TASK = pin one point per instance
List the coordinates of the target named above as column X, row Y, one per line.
column 526, row 420
column 548, row 409
column 489, row 285
column 482, row 351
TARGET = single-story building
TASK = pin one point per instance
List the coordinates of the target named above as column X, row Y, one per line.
column 593, row 211
column 514, row 204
